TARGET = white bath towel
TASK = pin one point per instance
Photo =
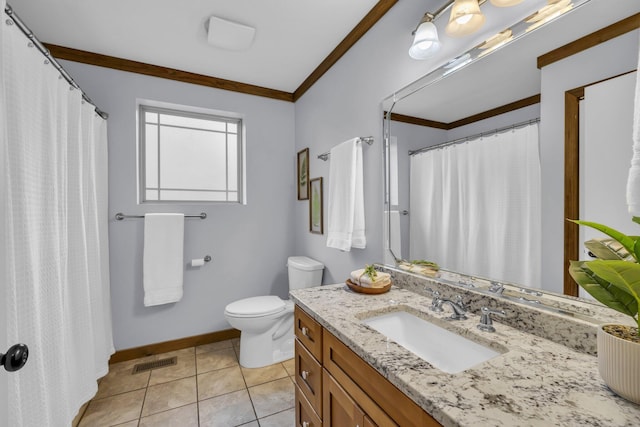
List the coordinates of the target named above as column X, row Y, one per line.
column 163, row 263
column 346, row 197
column 633, row 182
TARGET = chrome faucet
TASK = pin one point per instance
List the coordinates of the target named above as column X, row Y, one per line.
column 486, row 323
column 497, row 288
column 458, row 307
column 435, row 302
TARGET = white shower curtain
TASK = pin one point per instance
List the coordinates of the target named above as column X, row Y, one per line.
column 55, row 226
column 475, row 207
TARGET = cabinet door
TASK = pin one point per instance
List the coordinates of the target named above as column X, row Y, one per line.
column 368, row 422
column 339, row 409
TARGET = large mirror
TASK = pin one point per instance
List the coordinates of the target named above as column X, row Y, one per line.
column 520, row 91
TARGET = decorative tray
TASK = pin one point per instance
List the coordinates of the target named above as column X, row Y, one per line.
column 364, row 290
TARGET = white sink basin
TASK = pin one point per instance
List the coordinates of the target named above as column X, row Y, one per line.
column 443, row 349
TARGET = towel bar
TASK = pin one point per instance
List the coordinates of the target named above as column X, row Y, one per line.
column 367, row 139
column 120, row 216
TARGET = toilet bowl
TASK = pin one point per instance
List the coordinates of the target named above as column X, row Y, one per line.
column 266, row 322
column 266, row 325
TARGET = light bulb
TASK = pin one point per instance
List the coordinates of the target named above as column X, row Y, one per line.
column 505, row 3
column 464, row 19
column 424, row 45
column 425, row 42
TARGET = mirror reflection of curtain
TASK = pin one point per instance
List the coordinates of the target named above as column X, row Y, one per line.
column 55, row 235
column 475, row 206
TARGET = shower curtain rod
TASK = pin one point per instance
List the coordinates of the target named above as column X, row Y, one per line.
column 478, row 135
column 367, row 139
column 27, row 32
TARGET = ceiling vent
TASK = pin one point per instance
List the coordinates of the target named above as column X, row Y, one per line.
column 229, row 35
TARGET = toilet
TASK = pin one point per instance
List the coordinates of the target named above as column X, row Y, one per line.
column 266, row 322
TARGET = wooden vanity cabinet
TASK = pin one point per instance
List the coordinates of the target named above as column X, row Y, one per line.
column 335, row 387
column 308, row 377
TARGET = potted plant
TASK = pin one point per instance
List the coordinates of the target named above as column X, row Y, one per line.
column 614, row 280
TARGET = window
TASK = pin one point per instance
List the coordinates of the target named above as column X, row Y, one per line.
column 189, row 157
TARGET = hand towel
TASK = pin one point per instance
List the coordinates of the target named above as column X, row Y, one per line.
column 633, row 182
column 163, row 263
column 346, row 226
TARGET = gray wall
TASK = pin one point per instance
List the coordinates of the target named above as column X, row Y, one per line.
column 249, row 244
column 345, row 103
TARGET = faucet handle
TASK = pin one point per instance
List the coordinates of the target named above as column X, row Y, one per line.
column 486, row 323
column 496, row 287
column 436, row 302
column 433, row 292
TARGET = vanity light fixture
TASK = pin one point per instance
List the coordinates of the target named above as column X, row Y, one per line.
column 495, row 42
column 552, row 10
column 456, row 63
column 505, row 3
column 425, row 40
column 466, row 18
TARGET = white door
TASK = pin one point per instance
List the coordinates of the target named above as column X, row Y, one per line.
column 605, row 156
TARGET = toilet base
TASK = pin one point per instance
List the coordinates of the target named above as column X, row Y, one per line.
column 273, row 346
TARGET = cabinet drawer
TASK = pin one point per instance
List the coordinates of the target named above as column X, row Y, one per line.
column 305, row 415
column 309, row 332
column 365, row 385
column 309, row 377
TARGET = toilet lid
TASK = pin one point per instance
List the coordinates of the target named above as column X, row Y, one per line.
column 256, row 306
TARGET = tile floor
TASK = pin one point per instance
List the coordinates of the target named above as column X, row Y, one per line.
column 207, row 387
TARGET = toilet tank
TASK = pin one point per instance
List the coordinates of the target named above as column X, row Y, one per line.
column 304, row 272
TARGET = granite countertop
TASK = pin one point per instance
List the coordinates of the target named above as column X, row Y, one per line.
column 535, row 383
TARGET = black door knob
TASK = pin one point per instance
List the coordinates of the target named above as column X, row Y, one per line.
column 15, row 358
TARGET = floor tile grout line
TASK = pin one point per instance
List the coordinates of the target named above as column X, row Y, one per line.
column 195, row 361
column 195, row 354
column 145, row 396
column 276, row 413
column 255, row 413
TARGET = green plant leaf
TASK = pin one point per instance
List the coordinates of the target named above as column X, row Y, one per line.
column 370, row 271
column 636, row 248
column 624, row 240
column 425, row 263
column 636, row 219
column 603, row 291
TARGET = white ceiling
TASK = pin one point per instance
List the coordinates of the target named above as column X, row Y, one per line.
column 292, row 36
column 511, row 73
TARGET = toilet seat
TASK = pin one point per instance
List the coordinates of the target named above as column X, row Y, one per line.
column 256, row 306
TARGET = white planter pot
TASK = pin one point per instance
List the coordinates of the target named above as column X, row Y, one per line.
column 619, row 365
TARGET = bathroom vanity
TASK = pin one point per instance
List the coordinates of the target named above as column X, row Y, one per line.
column 348, row 373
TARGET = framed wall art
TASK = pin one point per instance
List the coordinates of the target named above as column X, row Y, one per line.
column 315, row 206
column 303, row 174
